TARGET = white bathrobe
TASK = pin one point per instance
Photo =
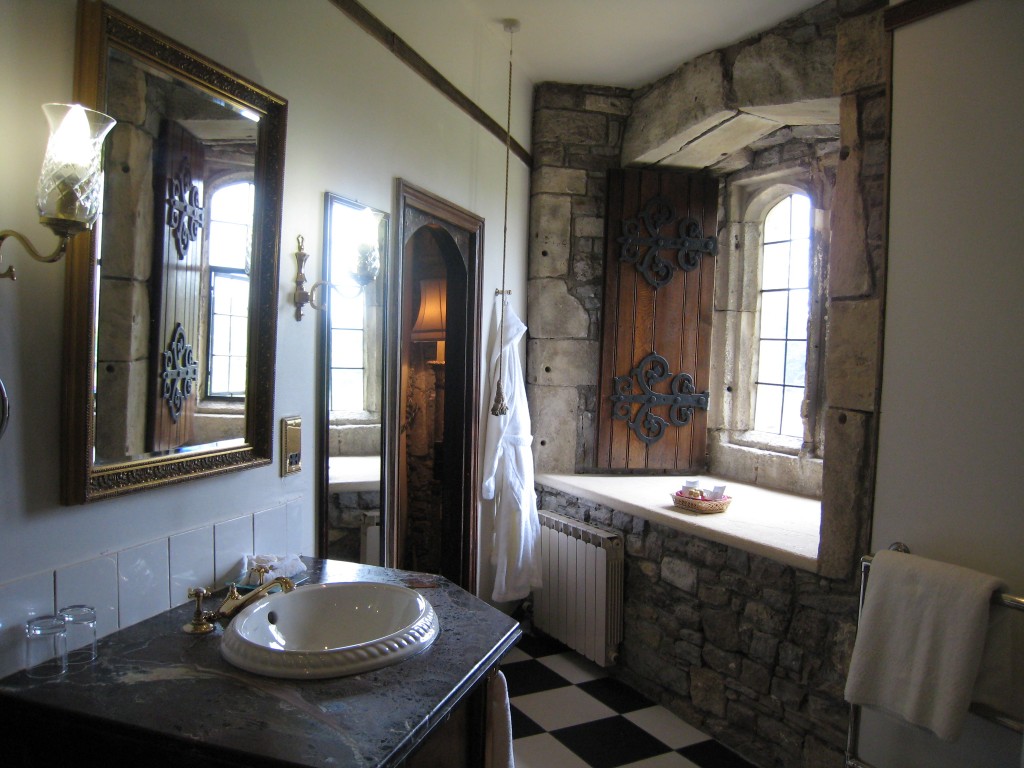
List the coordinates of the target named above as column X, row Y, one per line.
column 515, row 553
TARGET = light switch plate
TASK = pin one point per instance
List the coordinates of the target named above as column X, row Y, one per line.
column 291, row 445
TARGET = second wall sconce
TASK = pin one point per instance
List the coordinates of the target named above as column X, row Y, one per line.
column 70, row 189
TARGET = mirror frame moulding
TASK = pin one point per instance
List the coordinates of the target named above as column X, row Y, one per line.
column 100, row 27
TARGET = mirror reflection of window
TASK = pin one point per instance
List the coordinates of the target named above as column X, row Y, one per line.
column 348, row 322
column 230, row 233
column 784, row 302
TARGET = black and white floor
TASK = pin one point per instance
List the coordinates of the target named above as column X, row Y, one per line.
column 567, row 712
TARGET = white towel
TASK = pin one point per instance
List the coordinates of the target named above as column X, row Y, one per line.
column 499, row 725
column 920, row 640
column 279, row 565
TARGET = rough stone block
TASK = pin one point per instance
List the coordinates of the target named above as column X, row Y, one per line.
column 679, row 574
column 553, row 412
column 845, row 511
column 614, row 103
column 721, row 628
column 554, row 313
column 851, row 362
column 862, row 52
column 559, row 181
column 589, row 226
column 850, row 272
column 775, row 70
column 123, row 320
column 562, row 363
column 128, row 228
column 707, row 691
column 570, row 127
column 550, row 235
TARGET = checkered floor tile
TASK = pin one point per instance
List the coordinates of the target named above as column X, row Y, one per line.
column 569, row 713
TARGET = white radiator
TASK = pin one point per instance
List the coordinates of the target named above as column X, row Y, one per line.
column 580, row 603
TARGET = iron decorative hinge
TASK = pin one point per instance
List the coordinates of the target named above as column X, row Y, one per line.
column 180, row 372
column 185, row 214
column 690, row 243
column 681, row 399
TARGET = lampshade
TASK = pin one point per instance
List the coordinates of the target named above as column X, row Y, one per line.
column 70, row 188
column 430, row 323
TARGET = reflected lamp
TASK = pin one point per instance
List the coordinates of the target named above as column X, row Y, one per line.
column 70, row 189
column 431, row 320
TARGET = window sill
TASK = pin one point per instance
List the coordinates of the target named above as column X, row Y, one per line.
column 353, row 473
column 780, row 526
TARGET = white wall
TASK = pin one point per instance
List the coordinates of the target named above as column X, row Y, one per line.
column 357, row 119
column 950, row 480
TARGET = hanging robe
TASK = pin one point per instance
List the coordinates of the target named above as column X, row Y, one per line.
column 515, row 552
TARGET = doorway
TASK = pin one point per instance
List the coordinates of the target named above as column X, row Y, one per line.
column 430, row 418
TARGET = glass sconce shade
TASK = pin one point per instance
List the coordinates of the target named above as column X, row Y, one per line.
column 367, row 264
column 70, row 189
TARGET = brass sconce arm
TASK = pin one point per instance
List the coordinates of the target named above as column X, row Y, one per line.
column 61, row 249
column 302, row 296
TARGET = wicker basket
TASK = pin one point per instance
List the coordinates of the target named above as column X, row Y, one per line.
column 701, row 506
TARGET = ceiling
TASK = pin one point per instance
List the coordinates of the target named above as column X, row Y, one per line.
column 626, row 43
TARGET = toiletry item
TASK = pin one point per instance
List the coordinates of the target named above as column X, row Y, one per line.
column 717, row 492
column 691, row 484
column 46, row 648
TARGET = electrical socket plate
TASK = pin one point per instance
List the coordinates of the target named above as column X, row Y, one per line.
column 291, row 445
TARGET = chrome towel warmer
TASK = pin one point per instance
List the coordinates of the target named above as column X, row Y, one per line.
column 1000, row 598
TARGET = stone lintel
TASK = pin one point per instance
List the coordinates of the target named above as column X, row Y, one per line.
column 676, row 142
column 691, row 96
column 726, row 138
column 803, row 112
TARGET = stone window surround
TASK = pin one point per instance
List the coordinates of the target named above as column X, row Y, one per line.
column 734, row 449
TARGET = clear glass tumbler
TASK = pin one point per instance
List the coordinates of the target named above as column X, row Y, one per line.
column 80, row 621
column 46, row 647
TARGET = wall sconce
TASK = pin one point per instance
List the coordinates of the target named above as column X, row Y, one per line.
column 70, row 189
column 302, row 296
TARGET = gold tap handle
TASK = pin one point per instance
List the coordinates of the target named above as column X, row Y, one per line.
column 261, row 571
column 200, row 624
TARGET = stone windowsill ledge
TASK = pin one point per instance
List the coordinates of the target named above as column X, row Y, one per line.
column 353, row 473
column 777, row 525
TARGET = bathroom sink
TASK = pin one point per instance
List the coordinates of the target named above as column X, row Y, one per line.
column 329, row 630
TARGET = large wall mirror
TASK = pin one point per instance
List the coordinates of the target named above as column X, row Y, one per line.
column 171, row 305
column 350, row 365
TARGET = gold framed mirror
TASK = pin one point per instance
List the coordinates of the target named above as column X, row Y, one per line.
column 171, row 301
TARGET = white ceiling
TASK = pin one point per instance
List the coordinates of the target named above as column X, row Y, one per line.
column 626, row 43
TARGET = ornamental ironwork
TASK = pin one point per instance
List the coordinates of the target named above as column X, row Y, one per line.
column 642, row 246
column 184, row 211
column 179, row 374
column 680, row 400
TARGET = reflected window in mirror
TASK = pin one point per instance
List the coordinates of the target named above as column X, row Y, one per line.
column 230, row 238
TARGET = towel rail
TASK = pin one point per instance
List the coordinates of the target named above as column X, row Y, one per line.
column 1014, row 602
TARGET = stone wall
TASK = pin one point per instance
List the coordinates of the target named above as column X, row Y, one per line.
column 578, row 135
column 749, row 650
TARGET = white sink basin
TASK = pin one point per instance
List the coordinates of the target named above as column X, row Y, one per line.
column 329, row 630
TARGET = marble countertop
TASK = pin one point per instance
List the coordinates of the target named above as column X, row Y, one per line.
column 153, row 682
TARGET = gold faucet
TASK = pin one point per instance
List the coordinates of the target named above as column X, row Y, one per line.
column 234, row 601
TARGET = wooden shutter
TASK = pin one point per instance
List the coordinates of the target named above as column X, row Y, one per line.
column 660, row 248
column 177, row 284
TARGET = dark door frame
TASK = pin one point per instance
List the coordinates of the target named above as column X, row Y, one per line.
column 415, row 208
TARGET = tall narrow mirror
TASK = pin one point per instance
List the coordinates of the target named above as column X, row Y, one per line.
column 170, row 327
column 351, row 352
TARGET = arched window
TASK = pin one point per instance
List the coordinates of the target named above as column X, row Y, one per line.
column 230, row 235
column 783, row 302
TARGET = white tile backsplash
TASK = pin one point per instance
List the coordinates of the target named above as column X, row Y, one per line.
column 139, row 582
column 232, row 540
column 270, row 531
column 143, row 578
column 191, row 562
column 19, row 601
column 94, row 583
